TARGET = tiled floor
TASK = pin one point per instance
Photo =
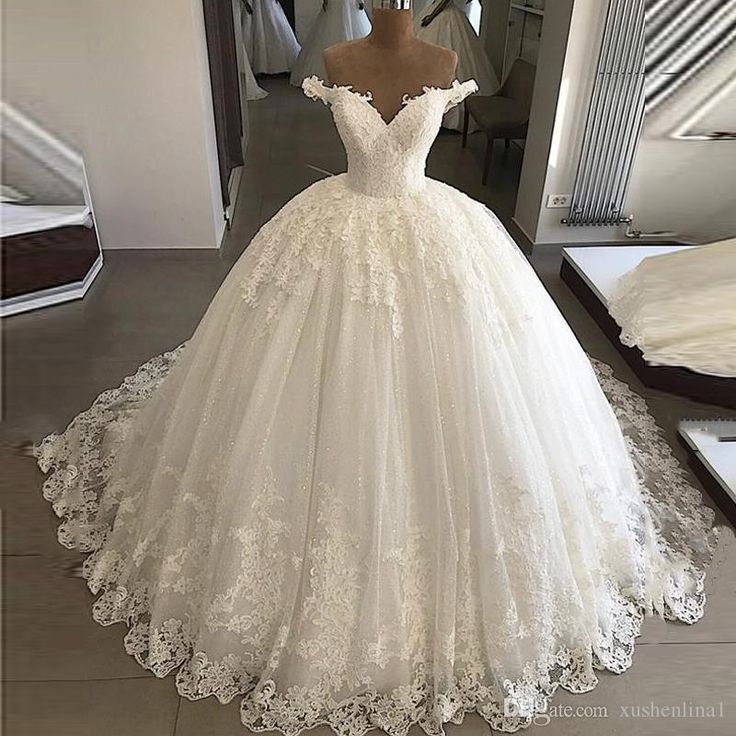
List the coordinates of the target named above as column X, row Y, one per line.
column 66, row 675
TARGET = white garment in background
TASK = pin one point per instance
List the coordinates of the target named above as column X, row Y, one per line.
column 679, row 308
column 452, row 29
column 471, row 8
column 342, row 20
column 269, row 40
column 21, row 219
column 420, row 6
column 382, row 483
column 253, row 91
column 305, row 12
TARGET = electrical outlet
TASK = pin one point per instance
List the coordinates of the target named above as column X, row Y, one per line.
column 558, row 200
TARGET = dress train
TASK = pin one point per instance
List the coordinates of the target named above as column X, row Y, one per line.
column 382, row 484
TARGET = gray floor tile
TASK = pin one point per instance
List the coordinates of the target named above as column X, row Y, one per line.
column 29, row 523
column 48, row 625
column 112, row 708
column 210, row 718
column 695, row 678
column 661, row 678
column 718, row 625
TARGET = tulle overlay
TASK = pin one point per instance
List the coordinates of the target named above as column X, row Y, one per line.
column 381, row 484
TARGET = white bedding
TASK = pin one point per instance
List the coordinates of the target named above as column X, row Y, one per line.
column 20, row 219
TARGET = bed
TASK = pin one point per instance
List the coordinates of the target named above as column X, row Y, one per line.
column 592, row 272
column 50, row 254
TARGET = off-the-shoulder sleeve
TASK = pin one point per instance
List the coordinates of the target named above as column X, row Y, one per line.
column 459, row 91
column 316, row 89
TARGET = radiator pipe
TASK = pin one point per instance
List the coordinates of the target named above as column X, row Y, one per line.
column 592, row 123
column 612, row 112
column 607, row 209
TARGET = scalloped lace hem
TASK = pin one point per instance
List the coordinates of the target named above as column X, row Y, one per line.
column 429, row 704
column 422, row 702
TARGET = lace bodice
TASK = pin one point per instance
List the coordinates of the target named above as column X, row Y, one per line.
column 387, row 159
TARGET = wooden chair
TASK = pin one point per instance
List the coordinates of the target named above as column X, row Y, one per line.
column 504, row 114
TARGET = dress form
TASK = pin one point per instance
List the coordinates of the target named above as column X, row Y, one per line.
column 390, row 62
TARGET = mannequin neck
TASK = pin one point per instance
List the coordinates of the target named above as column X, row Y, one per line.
column 392, row 28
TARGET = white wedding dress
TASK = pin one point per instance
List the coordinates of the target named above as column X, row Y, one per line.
column 342, row 20
column 269, row 41
column 381, row 484
column 419, row 7
column 679, row 308
column 253, row 91
column 452, row 30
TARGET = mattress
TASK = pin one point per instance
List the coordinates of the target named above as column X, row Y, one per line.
column 602, row 266
column 21, row 219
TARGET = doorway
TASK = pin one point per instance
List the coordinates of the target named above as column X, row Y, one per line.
column 226, row 97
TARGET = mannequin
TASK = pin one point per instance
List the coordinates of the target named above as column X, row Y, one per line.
column 391, row 61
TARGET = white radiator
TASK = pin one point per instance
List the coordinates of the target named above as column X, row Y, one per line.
column 614, row 119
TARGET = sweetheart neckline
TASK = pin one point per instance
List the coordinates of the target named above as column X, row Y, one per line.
column 406, row 99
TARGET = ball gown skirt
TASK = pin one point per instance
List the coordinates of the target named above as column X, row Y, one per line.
column 679, row 308
column 269, row 40
column 452, row 29
column 382, row 484
column 342, row 20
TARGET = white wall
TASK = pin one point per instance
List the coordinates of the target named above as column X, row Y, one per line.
column 42, row 66
column 128, row 83
column 493, row 30
column 547, row 151
column 684, row 187
column 682, row 184
column 41, row 81
column 576, row 84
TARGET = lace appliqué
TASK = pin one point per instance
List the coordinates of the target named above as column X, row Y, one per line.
column 334, row 231
column 247, row 584
column 78, row 469
column 311, row 244
column 458, row 92
column 316, row 89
